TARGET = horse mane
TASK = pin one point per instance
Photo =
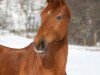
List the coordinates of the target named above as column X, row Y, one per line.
column 54, row 4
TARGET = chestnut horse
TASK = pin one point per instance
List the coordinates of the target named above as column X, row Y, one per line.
column 47, row 55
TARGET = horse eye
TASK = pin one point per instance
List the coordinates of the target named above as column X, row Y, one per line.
column 59, row 17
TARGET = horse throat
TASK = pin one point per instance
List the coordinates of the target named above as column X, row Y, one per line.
column 53, row 57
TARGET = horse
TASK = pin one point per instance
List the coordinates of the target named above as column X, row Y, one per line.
column 47, row 54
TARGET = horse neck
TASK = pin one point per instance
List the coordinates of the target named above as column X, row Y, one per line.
column 32, row 60
column 56, row 53
column 54, row 59
column 31, row 52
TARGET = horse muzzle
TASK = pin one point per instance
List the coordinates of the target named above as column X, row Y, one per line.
column 41, row 46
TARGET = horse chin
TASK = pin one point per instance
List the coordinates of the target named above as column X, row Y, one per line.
column 39, row 51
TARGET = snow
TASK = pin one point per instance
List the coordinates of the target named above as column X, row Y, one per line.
column 14, row 41
column 81, row 60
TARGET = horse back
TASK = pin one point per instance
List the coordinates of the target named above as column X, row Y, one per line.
column 11, row 60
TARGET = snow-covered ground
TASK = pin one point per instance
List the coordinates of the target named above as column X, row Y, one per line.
column 14, row 41
column 81, row 60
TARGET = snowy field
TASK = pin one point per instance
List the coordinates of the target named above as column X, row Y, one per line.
column 81, row 60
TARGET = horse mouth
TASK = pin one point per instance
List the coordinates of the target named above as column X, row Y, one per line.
column 40, row 48
column 39, row 51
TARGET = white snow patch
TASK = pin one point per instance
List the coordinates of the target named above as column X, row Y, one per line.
column 14, row 41
column 83, row 62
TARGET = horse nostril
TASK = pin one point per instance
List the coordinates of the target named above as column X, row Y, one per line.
column 41, row 46
column 42, row 43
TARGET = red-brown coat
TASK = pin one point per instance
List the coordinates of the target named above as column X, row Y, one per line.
column 48, row 54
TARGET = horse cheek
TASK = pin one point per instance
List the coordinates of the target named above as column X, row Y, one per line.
column 52, row 36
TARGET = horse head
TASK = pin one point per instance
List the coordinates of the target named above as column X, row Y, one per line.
column 54, row 25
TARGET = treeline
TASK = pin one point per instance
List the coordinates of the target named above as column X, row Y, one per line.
column 21, row 17
column 84, row 28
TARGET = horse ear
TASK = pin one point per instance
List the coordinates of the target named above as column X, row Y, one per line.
column 65, row 11
column 48, row 1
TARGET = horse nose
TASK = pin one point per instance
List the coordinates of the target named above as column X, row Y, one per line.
column 41, row 46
